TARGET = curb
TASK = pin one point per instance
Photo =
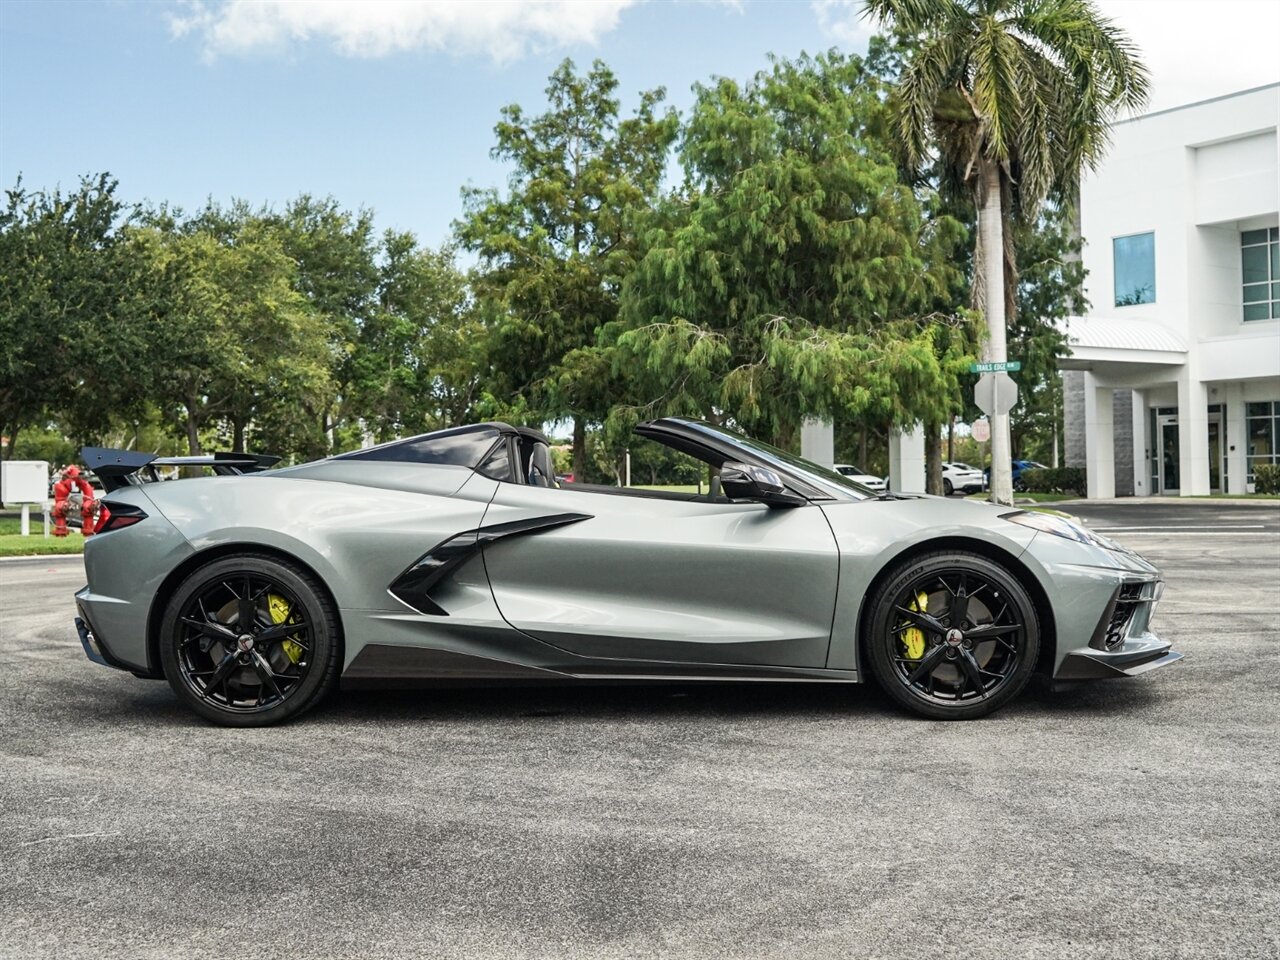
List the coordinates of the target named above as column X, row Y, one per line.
column 41, row 558
column 1180, row 501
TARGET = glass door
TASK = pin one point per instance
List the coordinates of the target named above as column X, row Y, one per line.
column 1167, row 433
column 1215, row 452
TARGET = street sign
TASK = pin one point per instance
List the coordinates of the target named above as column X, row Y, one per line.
column 995, row 394
column 1000, row 366
column 982, row 430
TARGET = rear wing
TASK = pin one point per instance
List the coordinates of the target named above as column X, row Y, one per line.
column 120, row 468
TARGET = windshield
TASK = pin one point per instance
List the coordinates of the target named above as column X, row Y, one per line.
column 829, row 482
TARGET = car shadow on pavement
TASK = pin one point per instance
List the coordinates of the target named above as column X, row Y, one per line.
column 155, row 702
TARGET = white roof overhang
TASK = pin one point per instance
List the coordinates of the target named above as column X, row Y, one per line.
column 1109, row 340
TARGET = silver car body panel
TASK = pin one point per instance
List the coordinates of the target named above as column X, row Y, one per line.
column 636, row 585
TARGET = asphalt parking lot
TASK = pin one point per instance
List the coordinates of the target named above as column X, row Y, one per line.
column 1135, row 819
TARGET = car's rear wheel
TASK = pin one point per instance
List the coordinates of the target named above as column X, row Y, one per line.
column 952, row 635
column 249, row 640
column 947, row 487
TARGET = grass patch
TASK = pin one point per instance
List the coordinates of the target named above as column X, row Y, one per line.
column 1033, row 497
column 16, row 545
column 670, row 488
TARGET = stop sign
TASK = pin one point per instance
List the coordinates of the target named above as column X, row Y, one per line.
column 995, row 394
column 982, row 430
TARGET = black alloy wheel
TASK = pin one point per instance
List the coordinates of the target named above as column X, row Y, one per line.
column 952, row 636
column 250, row 640
column 947, row 487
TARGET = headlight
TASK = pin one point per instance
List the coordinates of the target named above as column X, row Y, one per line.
column 1061, row 527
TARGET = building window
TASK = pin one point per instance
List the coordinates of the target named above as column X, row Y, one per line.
column 1262, row 427
column 1260, row 270
column 1135, row 269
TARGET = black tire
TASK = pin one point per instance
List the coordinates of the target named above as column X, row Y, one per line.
column 212, row 668
column 947, row 671
column 947, row 488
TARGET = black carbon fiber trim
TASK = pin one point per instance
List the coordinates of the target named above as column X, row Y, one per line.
column 414, row 585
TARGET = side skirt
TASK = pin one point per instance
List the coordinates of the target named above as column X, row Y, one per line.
column 382, row 665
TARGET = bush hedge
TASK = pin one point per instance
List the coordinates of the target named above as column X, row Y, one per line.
column 1068, row 480
column 1266, row 478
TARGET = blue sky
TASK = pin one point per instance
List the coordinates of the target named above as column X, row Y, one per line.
column 391, row 105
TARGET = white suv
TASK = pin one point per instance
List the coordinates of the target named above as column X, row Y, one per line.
column 960, row 476
column 858, row 476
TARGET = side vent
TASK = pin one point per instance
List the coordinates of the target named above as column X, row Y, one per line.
column 415, row 584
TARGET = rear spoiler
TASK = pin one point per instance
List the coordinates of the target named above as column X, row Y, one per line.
column 119, row 468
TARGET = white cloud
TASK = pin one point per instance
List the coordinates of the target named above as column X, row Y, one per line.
column 501, row 29
column 842, row 21
column 1197, row 50
column 1194, row 49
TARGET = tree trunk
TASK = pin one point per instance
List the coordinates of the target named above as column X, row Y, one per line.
column 862, row 445
column 933, row 458
column 951, row 439
column 991, row 256
column 237, row 436
column 193, row 427
column 579, row 449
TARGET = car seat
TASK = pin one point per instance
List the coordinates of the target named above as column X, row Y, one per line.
column 539, row 470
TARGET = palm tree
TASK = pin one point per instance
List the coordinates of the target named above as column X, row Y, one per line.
column 1016, row 97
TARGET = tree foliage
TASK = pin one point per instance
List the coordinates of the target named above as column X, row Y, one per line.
column 794, row 274
column 69, row 346
column 795, row 269
column 555, row 246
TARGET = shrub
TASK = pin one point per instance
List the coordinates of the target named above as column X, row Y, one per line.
column 1068, row 480
column 1266, row 478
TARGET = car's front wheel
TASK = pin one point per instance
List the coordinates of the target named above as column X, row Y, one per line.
column 952, row 635
column 250, row 640
column 947, row 487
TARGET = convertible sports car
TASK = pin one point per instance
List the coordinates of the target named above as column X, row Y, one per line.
column 456, row 555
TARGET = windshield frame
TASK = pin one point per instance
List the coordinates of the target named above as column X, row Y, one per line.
column 812, row 481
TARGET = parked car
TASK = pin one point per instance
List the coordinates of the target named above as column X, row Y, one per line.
column 1018, row 467
column 457, row 555
column 858, row 475
column 962, row 477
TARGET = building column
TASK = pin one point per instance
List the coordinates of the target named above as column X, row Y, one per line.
column 1237, row 439
column 818, row 442
column 1193, row 434
column 1099, row 440
column 906, row 460
column 1141, row 445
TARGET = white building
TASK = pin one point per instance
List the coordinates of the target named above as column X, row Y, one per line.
column 1173, row 382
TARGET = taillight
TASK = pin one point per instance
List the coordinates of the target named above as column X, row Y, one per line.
column 120, row 515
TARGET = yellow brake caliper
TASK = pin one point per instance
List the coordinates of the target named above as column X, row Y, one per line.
column 279, row 608
column 913, row 637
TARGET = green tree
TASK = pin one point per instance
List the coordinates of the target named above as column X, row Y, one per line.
column 71, row 347
column 335, row 252
column 1050, row 289
column 232, row 339
column 416, row 362
column 794, row 275
column 554, row 247
column 1016, row 96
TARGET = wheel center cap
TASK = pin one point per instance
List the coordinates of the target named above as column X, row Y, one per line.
column 954, row 637
column 245, row 643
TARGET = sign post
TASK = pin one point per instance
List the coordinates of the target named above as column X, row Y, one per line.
column 996, row 394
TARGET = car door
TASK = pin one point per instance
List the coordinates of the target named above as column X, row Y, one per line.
column 645, row 578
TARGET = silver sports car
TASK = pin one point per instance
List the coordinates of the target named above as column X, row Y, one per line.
column 457, row 555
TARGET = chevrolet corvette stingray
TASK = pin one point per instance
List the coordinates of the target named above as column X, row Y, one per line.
column 457, row 555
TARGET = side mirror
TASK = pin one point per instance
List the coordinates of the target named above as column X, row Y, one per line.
column 744, row 481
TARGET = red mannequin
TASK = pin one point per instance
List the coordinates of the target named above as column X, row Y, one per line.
column 88, row 505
